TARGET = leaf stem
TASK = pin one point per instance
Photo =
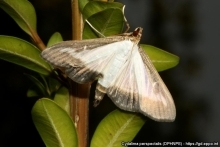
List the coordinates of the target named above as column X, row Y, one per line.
column 37, row 40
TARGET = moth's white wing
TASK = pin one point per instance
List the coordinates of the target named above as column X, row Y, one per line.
column 84, row 61
column 138, row 87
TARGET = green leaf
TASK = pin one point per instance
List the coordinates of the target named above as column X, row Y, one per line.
column 62, row 99
column 53, row 85
column 40, row 88
column 55, row 38
column 53, row 124
column 107, row 22
column 106, row 17
column 161, row 59
column 82, row 4
column 33, row 91
column 94, row 7
column 23, row 12
column 22, row 53
column 44, row 86
column 115, row 128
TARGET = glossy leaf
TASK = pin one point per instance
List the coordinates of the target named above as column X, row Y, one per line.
column 22, row 53
column 82, row 4
column 161, row 59
column 115, row 128
column 53, row 124
column 55, row 38
column 94, row 7
column 107, row 22
column 62, row 99
column 23, row 12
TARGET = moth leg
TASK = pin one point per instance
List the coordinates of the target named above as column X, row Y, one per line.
column 99, row 94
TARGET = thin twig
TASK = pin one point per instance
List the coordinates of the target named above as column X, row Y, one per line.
column 79, row 94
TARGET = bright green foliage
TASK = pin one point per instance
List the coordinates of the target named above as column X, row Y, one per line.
column 55, row 38
column 106, row 18
column 82, row 4
column 23, row 13
column 21, row 52
column 94, row 7
column 62, row 99
column 54, row 124
column 161, row 59
column 117, row 127
column 107, row 22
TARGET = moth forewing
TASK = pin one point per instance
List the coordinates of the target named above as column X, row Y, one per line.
column 160, row 101
column 71, row 56
column 124, row 72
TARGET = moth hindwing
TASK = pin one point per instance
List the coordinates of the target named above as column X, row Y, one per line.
column 125, row 73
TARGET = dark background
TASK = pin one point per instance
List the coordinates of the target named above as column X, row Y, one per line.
column 187, row 28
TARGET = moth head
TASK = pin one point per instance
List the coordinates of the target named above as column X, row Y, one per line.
column 137, row 32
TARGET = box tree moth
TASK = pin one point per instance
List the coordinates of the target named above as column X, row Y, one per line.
column 125, row 73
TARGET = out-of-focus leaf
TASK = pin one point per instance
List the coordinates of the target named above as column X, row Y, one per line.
column 23, row 12
column 40, row 87
column 53, row 124
column 45, row 86
column 117, row 127
column 33, row 92
column 55, row 38
column 161, row 59
column 107, row 22
column 62, row 99
column 21, row 52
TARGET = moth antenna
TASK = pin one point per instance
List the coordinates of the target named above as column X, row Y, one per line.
column 94, row 29
column 126, row 22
